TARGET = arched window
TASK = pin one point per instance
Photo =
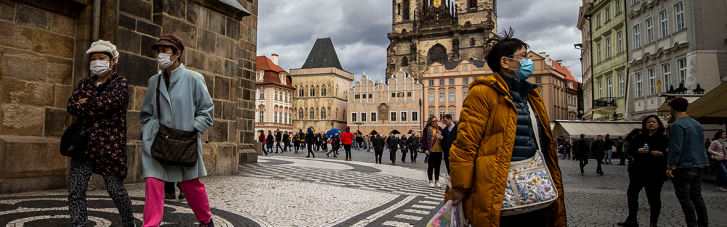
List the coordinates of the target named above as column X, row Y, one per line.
column 312, row 114
column 406, row 9
column 300, row 113
column 405, row 61
column 312, row 91
column 302, row 92
column 323, row 113
column 323, row 91
column 472, row 42
column 437, row 54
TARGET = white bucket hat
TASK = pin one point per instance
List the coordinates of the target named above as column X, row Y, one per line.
column 104, row 46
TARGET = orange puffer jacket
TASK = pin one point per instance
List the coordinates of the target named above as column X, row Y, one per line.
column 480, row 157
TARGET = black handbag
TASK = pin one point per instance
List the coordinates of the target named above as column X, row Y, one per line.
column 74, row 141
column 173, row 146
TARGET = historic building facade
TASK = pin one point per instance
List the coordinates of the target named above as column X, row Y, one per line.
column 608, row 49
column 274, row 99
column 674, row 45
column 446, row 86
column 42, row 50
column 556, row 85
column 321, row 85
column 428, row 31
column 586, row 94
column 392, row 107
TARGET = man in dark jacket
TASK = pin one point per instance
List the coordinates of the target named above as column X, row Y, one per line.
column 608, row 150
column 413, row 144
column 309, row 138
column 582, row 151
column 393, row 145
column 620, row 151
column 403, row 147
column 378, row 144
column 598, row 148
column 278, row 137
column 286, row 141
column 450, row 135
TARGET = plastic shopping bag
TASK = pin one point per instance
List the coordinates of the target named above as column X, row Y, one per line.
column 449, row 216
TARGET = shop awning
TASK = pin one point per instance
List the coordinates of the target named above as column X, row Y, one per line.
column 592, row 129
column 711, row 105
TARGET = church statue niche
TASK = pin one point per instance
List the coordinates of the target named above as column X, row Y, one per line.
column 437, row 54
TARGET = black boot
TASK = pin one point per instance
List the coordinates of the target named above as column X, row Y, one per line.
column 629, row 223
column 210, row 224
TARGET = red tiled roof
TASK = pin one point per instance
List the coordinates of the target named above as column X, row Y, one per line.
column 272, row 72
column 563, row 70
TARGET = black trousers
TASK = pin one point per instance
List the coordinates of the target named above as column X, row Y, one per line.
column 583, row 162
column 403, row 154
column 78, row 177
column 392, row 155
column 413, row 154
column 348, row 150
column 310, row 150
column 445, row 156
column 599, row 161
column 377, row 155
column 653, row 187
column 688, row 189
column 169, row 188
column 435, row 163
column 534, row 218
column 297, row 146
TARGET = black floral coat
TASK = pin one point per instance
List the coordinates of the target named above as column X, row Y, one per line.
column 105, row 115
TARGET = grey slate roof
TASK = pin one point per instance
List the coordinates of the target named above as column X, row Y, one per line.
column 454, row 64
column 322, row 55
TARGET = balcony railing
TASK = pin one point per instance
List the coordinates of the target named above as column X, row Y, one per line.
column 604, row 102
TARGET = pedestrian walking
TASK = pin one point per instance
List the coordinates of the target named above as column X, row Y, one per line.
column 686, row 161
column 718, row 149
column 620, row 151
column 286, row 141
column 303, row 142
column 393, row 147
column 647, row 169
column 347, row 140
column 599, row 150
column 449, row 133
column 278, row 138
column 270, row 140
column 567, row 150
column 324, row 143
column 261, row 139
column 334, row 147
column 582, row 151
column 309, row 138
column 108, row 93
column 503, row 121
column 403, row 147
column 378, row 144
column 413, row 143
column 185, row 92
column 432, row 146
column 170, row 192
column 608, row 146
column 296, row 142
column 367, row 140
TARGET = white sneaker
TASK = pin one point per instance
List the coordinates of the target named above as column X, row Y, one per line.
column 439, row 185
column 431, row 185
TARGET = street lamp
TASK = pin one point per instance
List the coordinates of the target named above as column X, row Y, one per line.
column 358, row 123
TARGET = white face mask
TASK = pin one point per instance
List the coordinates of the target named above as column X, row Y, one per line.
column 100, row 67
column 163, row 59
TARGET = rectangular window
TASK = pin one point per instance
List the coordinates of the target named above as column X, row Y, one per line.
column 262, row 94
column 636, row 1
column 600, row 89
column 262, row 116
column 598, row 21
column 431, row 82
column 608, row 48
column 465, row 81
column 431, row 97
column 431, row 113
column 441, row 114
column 403, row 116
column 538, row 80
column 451, row 112
column 664, row 23
column 451, row 96
column 679, row 16
column 464, row 95
column 620, row 41
column 620, row 85
column 373, row 117
column 637, row 37
column 609, row 87
column 276, row 117
column 276, row 95
column 441, row 82
column 639, row 85
column 363, row 117
column 652, row 81
column 682, row 70
column 414, row 116
column 598, row 52
column 666, row 73
column 618, row 7
column 451, row 81
column 441, row 96
column 393, row 116
column 354, row 117
column 649, row 31
column 608, row 14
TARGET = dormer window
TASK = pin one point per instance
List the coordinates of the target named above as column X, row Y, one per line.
column 311, row 59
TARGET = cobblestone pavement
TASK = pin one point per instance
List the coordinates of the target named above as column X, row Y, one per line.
column 291, row 190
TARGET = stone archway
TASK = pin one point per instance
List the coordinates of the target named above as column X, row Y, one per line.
column 437, row 53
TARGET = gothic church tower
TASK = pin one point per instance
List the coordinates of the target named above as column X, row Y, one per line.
column 428, row 31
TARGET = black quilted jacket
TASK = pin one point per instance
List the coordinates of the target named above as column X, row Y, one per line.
column 525, row 145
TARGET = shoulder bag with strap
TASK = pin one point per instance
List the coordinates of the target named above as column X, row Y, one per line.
column 173, row 146
column 529, row 184
column 720, row 158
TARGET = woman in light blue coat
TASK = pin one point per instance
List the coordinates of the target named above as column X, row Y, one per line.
column 184, row 104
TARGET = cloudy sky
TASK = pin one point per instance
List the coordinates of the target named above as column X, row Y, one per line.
column 358, row 29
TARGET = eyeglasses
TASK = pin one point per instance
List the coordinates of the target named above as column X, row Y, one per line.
column 512, row 57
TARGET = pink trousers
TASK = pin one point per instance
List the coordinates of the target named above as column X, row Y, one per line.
column 193, row 189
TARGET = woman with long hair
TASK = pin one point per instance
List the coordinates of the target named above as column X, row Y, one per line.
column 627, row 142
column 647, row 168
column 717, row 149
column 431, row 145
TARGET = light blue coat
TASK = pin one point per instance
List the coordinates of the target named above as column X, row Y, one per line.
column 191, row 108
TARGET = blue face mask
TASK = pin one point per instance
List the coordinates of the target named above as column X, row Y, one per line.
column 525, row 70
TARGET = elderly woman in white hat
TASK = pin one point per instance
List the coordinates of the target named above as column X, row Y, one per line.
column 100, row 103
